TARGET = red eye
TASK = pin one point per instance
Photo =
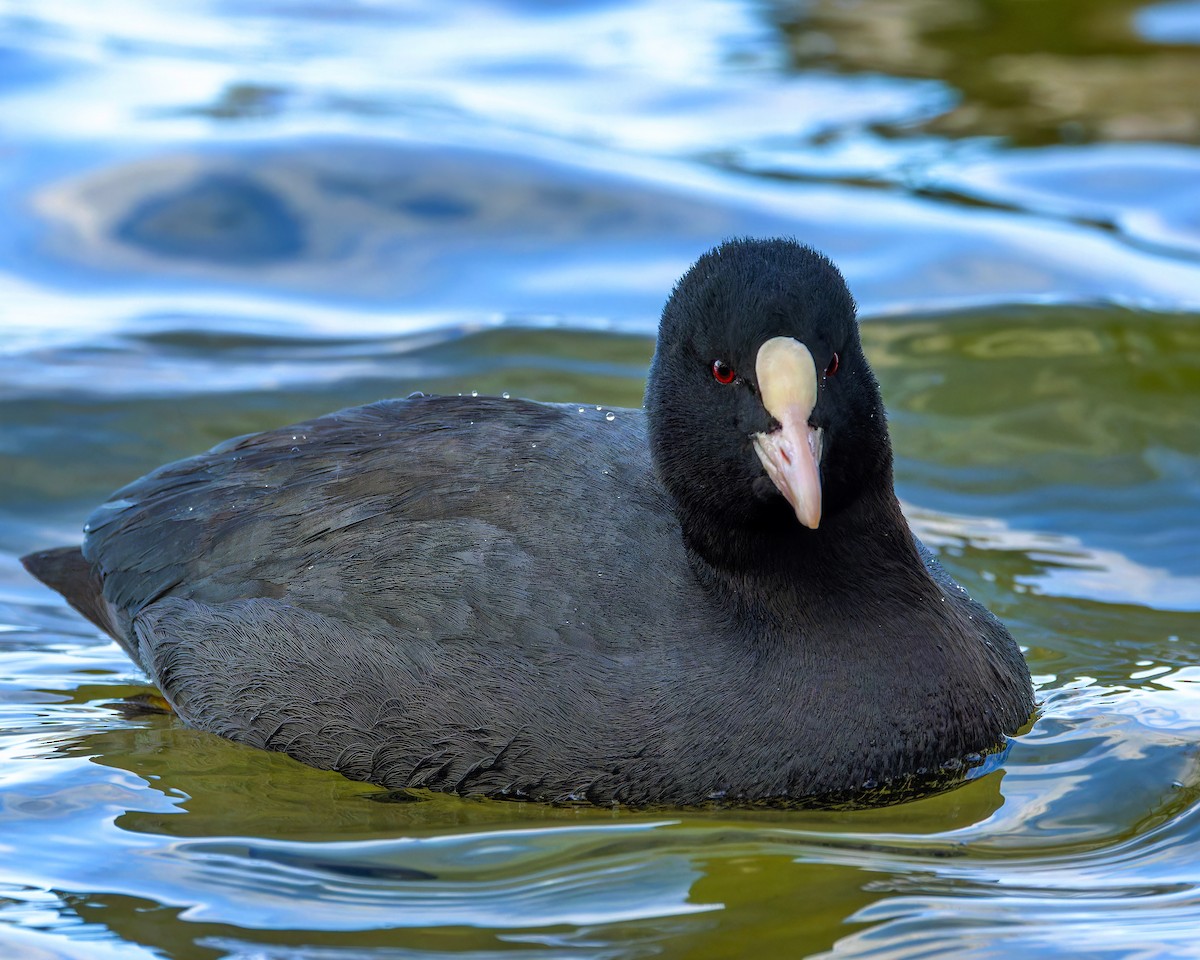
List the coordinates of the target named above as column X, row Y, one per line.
column 833, row 366
column 723, row 372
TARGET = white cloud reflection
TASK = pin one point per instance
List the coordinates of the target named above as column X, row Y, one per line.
column 1068, row 567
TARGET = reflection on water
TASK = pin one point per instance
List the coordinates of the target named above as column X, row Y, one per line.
column 372, row 225
column 1063, row 566
column 1002, row 414
column 1096, row 807
column 1149, row 194
column 224, row 217
column 1081, row 69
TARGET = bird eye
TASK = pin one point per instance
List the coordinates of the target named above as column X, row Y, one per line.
column 833, row 366
column 723, row 372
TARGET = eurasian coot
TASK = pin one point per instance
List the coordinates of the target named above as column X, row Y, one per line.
column 716, row 597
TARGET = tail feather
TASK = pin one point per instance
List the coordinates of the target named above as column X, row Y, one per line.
column 64, row 569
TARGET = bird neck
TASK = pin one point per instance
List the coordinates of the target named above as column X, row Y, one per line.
column 861, row 557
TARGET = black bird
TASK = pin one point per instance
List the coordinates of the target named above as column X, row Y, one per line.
column 714, row 598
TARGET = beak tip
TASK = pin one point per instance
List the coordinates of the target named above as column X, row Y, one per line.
column 810, row 517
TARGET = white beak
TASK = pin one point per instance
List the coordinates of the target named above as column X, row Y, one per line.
column 791, row 454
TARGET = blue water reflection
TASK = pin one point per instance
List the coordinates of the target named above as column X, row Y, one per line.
column 223, row 218
column 1177, row 21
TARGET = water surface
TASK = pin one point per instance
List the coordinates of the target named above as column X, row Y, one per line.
column 224, row 217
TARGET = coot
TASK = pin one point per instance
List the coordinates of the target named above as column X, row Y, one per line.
column 716, row 597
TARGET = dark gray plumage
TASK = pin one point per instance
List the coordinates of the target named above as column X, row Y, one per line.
column 518, row 599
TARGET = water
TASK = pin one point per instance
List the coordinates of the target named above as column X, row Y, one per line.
column 222, row 217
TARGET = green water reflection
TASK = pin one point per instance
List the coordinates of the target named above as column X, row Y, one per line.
column 1037, row 74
